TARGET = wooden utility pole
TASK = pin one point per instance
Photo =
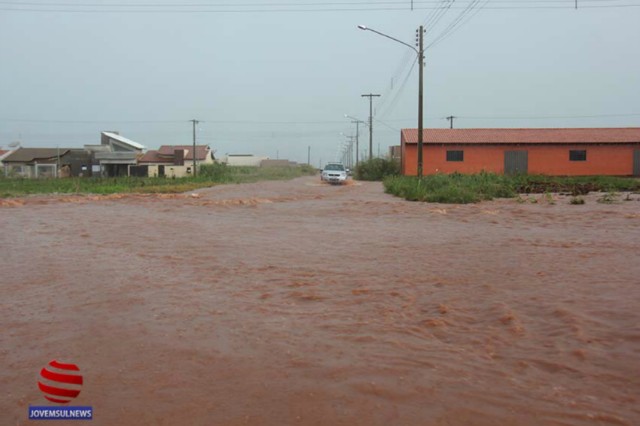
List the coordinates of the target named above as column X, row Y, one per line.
column 420, row 96
column 371, row 96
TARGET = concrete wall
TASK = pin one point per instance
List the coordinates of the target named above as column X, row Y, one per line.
column 613, row 160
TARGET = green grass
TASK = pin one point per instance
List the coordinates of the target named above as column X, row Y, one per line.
column 208, row 175
column 462, row 189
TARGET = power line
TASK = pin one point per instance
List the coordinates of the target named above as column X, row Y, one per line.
column 439, row 7
column 8, row 120
column 545, row 117
column 462, row 18
column 319, row 122
column 388, row 126
column 430, row 24
column 435, row 4
column 400, row 90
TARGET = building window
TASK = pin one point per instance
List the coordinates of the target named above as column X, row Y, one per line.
column 578, row 155
column 455, row 155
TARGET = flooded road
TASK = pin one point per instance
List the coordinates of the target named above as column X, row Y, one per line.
column 296, row 303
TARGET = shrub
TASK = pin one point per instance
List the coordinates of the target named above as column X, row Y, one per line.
column 376, row 169
column 218, row 172
column 608, row 198
column 576, row 200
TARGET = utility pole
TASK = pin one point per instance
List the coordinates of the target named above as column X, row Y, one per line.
column 194, row 147
column 420, row 96
column 357, row 139
column 420, row 52
column 371, row 96
column 309, row 155
column 450, row 118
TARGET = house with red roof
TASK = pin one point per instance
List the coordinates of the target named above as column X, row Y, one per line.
column 174, row 160
column 558, row 151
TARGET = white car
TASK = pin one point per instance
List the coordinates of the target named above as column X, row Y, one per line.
column 334, row 173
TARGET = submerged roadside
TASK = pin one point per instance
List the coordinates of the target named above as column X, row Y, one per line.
column 208, row 175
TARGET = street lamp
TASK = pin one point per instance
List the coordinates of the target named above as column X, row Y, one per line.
column 420, row 52
column 355, row 120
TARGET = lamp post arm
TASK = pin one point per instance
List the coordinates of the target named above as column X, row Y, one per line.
column 392, row 38
column 356, row 120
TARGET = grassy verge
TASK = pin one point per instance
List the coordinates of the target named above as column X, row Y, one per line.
column 461, row 189
column 209, row 175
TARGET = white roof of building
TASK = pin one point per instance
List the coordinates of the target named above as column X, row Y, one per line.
column 123, row 140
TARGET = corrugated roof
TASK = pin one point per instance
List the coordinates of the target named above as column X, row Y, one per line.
column 27, row 155
column 525, row 136
column 123, row 140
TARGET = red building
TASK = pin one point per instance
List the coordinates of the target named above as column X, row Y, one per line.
column 561, row 152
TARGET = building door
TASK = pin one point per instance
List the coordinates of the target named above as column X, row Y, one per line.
column 636, row 162
column 161, row 170
column 516, row 162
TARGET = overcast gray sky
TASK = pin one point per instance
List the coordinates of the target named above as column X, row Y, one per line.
column 272, row 77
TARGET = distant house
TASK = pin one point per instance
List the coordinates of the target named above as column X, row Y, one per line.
column 243, row 160
column 173, row 160
column 560, row 152
column 114, row 155
column 45, row 162
column 3, row 153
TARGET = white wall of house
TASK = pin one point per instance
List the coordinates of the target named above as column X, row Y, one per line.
column 243, row 160
column 170, row 171
column 30, row 171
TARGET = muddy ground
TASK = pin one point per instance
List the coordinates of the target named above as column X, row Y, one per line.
column 296, row 303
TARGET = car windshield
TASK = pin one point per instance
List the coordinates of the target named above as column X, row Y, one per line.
column 334, row 167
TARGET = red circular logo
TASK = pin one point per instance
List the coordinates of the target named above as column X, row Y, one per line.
column 60, row 382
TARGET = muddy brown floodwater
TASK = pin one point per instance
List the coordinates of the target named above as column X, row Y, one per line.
column 297, row 303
